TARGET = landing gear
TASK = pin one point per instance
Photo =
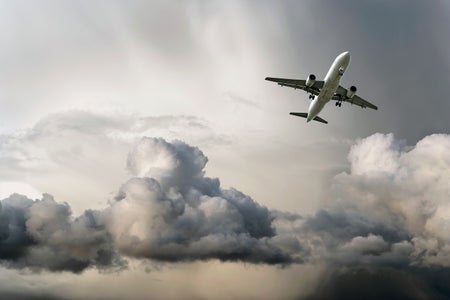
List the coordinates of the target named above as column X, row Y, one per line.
column 311, row 97
column 339, row 103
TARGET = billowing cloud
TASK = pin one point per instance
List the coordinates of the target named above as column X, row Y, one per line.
column 172, row 212
column 396, row 198
column 387, row 215
column 42, row 234
column 67, row 151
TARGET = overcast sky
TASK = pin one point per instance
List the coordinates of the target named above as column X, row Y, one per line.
column 150, row 137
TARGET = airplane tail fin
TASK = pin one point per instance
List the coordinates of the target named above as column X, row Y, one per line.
column 305, row 115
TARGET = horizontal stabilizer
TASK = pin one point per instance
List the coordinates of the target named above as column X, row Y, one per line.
column 305, row 115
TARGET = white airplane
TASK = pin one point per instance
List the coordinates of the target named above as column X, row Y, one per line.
column 326, row 90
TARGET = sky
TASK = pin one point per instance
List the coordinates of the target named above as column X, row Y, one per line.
column 144, row 156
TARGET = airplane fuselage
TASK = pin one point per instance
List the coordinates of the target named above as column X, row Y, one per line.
column 331, row 83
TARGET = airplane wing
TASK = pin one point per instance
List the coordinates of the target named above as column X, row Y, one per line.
column 298, row 84
column 340, row 96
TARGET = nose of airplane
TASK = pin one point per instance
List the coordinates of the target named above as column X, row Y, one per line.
column 345, row 56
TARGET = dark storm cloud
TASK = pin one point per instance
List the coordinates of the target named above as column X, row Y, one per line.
column 21, row 295
column 380, row 236
column 169, row 212
column 387, row 211
column 42, row 234
column 383, row 283
column 383, row 235
column 172, row 212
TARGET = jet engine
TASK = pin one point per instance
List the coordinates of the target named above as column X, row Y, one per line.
column 351, row 92
column 310, row 80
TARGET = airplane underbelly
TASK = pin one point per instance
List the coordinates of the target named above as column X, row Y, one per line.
column 328, row 92
column 315, row 107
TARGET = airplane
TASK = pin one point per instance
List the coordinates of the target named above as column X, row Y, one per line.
column 326, row 90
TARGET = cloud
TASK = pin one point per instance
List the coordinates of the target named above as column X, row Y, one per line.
column 385, row 218
column 28, row 296
column 382, row 235
column 66, row 152
column 389, row 210
column 10, row 187
column 170, row 212
column 382, row 283
column 173, row 212
column 42, row 234
column 403, row 189
column 65, row 138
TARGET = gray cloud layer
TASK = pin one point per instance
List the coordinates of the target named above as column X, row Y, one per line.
column 385, row 222
column 172, row 212
column 388, row 211
column 169, row 212
column 42, row 234
column 383, row 283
